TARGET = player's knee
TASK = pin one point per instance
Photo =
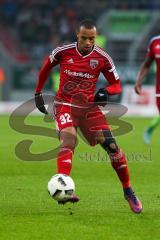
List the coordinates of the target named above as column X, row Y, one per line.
column 113, row 147
column 110, row 145
column 71, row 142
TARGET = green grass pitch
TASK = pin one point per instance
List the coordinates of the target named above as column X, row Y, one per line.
column 27, row 211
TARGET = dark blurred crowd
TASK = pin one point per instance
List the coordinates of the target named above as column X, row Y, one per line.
column 40, row 25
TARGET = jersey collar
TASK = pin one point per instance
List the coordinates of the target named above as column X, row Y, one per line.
column 83, row 56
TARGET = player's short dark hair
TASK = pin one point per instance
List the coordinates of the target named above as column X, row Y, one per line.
column 87, row 23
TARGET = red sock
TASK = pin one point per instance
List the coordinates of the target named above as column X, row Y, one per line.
column 119, row 164
column 64, row 160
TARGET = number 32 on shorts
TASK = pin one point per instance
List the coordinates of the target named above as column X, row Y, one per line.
column 65, row 118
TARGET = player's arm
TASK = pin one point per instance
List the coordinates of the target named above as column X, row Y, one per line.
column 44, row 73
column 114, row 87
column 144, row 69
column 113, row 79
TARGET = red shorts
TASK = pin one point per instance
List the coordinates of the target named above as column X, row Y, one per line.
column 89, row 120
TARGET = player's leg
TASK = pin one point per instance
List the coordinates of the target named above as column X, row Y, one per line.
column 66, row 128
column 119, row 163
column 91, row 128
column 68, row 139
column 67, row 133
column 153, row 125
column 118, row 159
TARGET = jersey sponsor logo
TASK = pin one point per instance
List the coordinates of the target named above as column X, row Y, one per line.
column 93, row 63
column 78, row 74
column 70, row 60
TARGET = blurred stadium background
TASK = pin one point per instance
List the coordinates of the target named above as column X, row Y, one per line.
column 30, row 30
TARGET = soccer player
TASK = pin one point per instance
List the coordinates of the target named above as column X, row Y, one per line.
column 77, row 106
column 153, row 54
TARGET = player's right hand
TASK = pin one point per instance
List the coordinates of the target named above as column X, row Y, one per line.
column 40, row 103
column 138, row 88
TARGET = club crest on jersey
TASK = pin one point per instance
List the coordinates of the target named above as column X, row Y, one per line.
column 93, row 63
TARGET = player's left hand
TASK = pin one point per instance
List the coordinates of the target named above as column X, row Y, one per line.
column 101, row 97
column 40, row 103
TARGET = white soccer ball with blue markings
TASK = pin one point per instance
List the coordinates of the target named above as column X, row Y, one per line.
column 61, row 187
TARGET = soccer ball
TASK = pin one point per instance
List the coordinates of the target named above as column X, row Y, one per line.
column 61, row 187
